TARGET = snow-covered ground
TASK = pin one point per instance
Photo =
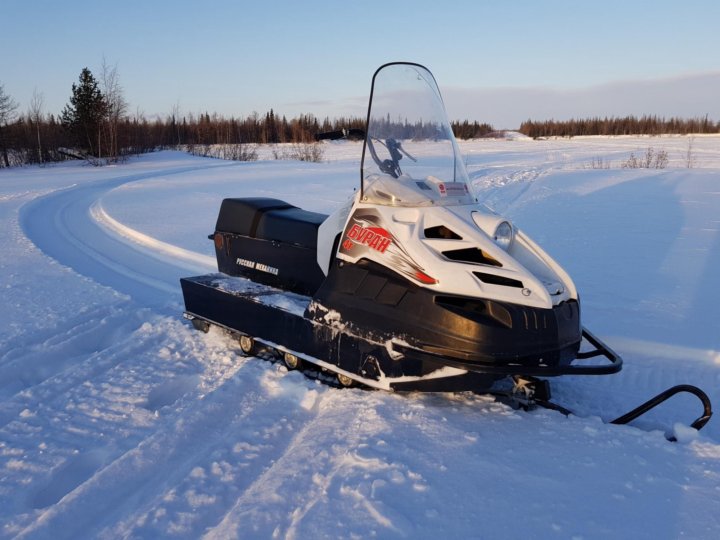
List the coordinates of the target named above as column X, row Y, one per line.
column 117, row 420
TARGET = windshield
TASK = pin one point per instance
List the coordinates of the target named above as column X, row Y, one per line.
column 410, row 156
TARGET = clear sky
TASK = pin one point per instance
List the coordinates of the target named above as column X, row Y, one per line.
column 499, row 62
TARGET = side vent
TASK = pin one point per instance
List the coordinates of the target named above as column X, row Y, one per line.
column 472, row 305
column 487, row 311
column 492, row 279
column 442, row 232
column 472, row 255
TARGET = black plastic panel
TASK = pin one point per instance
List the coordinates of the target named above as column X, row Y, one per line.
column 290, row 225
column 242, row 216
column 468, row 329
column 269, row 219
column 289, row 267
column 270, row 242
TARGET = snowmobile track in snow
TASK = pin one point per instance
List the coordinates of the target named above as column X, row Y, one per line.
column 86, row 349
column 167, row 461
column 61, row 225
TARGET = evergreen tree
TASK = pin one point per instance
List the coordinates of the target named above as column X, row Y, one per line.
column 83, row 116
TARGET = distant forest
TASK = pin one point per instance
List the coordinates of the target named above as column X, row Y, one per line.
column 629, row 125
column 95, row 125
column 27, row 140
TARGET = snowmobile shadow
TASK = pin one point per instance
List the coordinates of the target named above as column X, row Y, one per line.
column 625, row 280
column 655, row 284
column 704, row 309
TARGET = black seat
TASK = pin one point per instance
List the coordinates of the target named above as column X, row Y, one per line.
column 241, row 216
column 291, row 225
column 269, row 219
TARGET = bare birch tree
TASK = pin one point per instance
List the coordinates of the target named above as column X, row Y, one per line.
column 175, row 122
column 116, row 106
column 35, row 113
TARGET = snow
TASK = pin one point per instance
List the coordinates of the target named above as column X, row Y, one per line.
column 270, row 296
column 118, row 420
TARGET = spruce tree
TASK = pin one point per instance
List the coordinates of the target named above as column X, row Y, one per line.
column 83, row 116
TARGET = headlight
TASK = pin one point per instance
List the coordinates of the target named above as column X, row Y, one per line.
column 504, row 235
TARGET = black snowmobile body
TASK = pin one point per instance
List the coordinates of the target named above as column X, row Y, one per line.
column 391, row 327
column 413, row 284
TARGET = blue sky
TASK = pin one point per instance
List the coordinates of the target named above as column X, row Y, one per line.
column 500, row 62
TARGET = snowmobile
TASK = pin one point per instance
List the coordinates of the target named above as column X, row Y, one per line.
column 413, row 284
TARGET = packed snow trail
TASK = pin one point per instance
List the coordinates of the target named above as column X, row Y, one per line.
column 61, row 224
column 139, row 477
column 118, row 420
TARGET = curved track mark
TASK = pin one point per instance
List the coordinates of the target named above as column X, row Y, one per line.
column 61, row 225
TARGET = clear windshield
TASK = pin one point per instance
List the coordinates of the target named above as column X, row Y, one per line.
column 411, row 157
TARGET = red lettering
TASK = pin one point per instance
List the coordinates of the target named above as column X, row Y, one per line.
column 375, row 238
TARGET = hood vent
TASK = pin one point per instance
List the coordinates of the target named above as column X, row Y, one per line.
column 472, row 256
column 442, row 232
column 492, row 279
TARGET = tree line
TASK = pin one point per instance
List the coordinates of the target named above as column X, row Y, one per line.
column 96, row 125
column 628, row 125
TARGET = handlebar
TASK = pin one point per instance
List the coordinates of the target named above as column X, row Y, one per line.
column 394, row 147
